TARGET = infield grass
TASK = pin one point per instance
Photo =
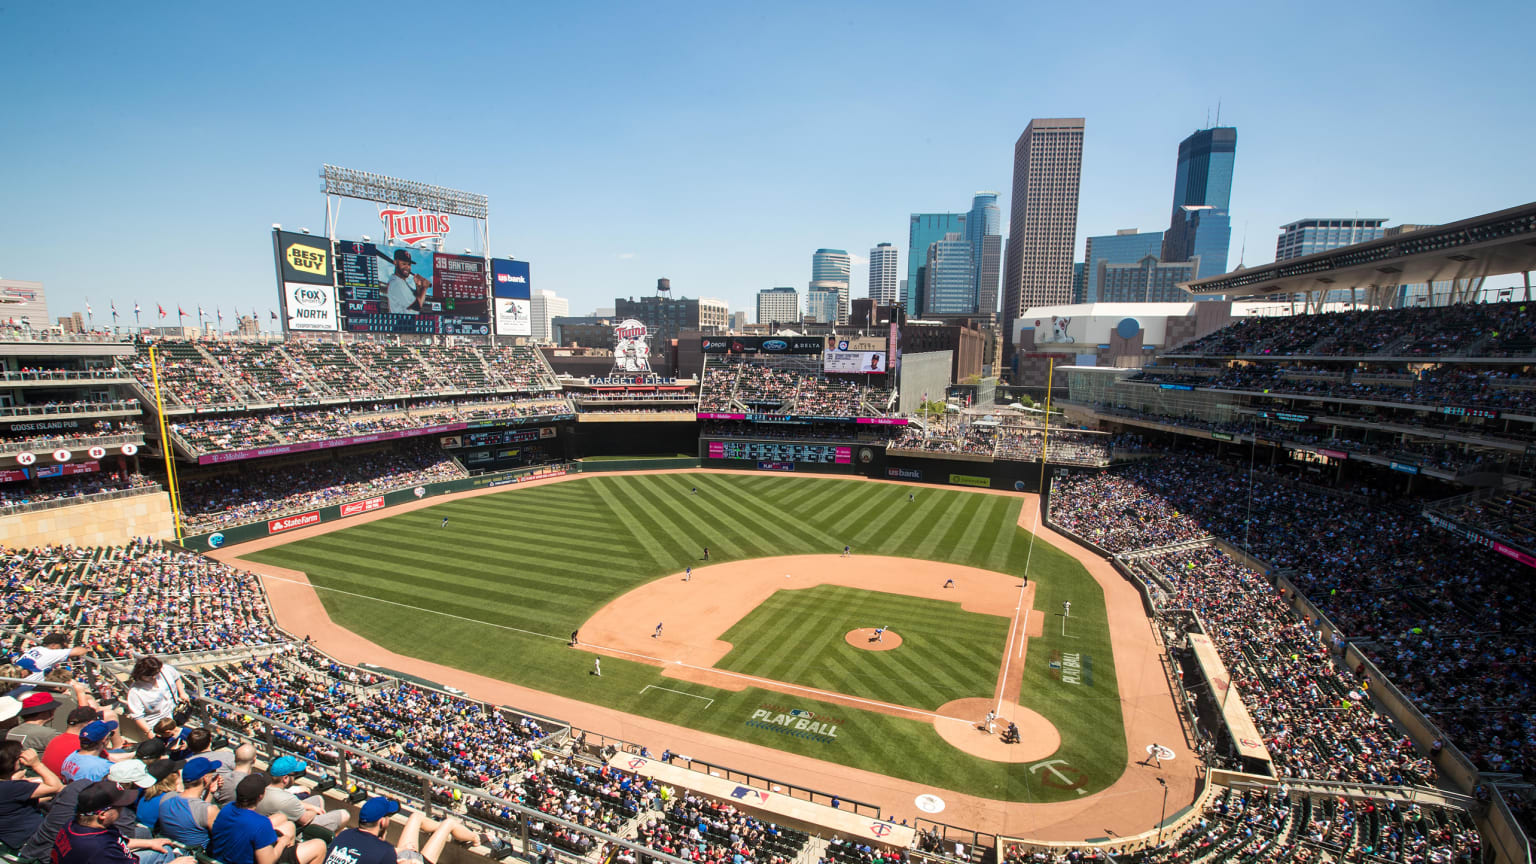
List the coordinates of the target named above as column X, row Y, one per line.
column 798, row 636
column 498, row 591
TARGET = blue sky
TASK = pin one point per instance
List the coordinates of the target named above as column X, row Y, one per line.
column 148, row 149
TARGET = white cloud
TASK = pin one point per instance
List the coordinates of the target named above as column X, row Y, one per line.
column 625, row 256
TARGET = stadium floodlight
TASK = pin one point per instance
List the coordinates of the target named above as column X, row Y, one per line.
column 348, row 183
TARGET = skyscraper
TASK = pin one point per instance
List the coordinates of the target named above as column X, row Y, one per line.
column 830, row 270
column 983, row 227
column 778, row 305
column 821, row 304
column 1126, row 246
column 544, row 308
column 1146, row 281
column 949, row 277
column 882, row 274
column 1201, row 225
column 924, row 230
column 1309, row 236
column 1042, row 226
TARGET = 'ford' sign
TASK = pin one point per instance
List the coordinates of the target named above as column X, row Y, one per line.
column 775, row 345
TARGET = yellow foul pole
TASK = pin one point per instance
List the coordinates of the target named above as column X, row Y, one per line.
column 166, row 451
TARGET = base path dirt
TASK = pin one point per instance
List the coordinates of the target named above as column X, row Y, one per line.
column 864, row 638
column 1129, row 806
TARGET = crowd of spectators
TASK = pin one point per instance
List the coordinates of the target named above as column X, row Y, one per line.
column 98, row 429
column 1315, row 720
column 1267, row 825
column 266, row 491
column 1447, row 621
column 1007, row 441
column 20, row 494
column 235, row 372
column 747, row 386
column 1464, row 329
column 141, row 598
column 248, row 431
column 1489, row 388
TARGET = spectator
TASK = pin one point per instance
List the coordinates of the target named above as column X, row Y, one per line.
column 240, row 835
column 155, row 693
column 365, row 844
column 68, row 741
column 36, row 729
column 90, row 762
column 283, row 773
column 91, row 839
column 19, row 813
column 187, row 815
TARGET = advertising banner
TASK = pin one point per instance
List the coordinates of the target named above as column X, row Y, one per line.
column 307, row 276
column 288, row 523
column 364, row 506
column 854, row 362
column 510, row 292
column 67, row 469
column 631, row 347
column 402, row 289
column 762, row 345
column 970, row 480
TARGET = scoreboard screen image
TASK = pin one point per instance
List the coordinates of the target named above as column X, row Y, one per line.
column 402, row 289
column 768, row 451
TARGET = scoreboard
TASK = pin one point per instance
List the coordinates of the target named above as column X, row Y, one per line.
column 769, row 451
column 457, row 301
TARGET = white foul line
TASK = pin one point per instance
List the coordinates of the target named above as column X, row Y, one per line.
column 678, row 692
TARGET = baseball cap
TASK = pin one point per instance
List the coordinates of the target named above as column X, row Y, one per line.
column 165, row 768
column 97, row 730
column 9, row 707
column 103, row 794
column 402, row 255
column 197, row 768
column 375, row 809
column 131, row 771
column 38, row 703
column 282, row 766
column 83, row 715
column 150, row 749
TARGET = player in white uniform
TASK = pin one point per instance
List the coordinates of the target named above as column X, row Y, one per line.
column 38, row 659
column 406, row 290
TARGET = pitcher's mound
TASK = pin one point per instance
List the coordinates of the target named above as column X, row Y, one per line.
column 864, row 637
column 1038, row 737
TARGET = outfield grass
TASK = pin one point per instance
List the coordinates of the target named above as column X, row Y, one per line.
column 520, row 569
column 797, row 636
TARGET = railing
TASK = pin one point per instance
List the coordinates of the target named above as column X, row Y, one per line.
column 72, row 500
column 46, row 442
column 43, row 336
column 71, row 408
column 104, row 375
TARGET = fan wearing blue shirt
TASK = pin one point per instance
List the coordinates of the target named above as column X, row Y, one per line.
column 240, row 835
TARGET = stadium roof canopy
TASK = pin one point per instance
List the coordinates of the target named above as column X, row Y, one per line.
column 1489, row 245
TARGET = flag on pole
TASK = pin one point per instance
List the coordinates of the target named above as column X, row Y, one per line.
column 274, row 314
column 88, row 311
column 180, row 313
column 162, row 309
column 220, row 313
column 113, row 304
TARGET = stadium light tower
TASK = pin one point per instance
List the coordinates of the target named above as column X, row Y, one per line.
column 383, row 189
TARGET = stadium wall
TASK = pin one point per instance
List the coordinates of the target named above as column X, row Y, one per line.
column 649, row 438
column 234, row 534
column 109, row 522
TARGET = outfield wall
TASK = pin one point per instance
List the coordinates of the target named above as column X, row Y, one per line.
column 231, row 535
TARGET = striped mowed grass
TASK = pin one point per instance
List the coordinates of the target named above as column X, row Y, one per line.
column 498, row 591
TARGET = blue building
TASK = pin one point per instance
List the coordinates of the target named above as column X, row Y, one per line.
column 1126, row 246
column 1308, row 236
column 983, row 231
column 949, row 277
column 926, row 229
column 1201, row 225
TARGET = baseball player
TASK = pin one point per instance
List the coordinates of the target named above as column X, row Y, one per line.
column 991, row 718
column 657, row 634
column 688, row 574
column 405, row 291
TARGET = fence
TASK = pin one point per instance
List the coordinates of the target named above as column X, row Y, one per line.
column 44, row 442
column 70, row 408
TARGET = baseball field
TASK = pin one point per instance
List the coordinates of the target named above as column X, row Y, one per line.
column 498, row 589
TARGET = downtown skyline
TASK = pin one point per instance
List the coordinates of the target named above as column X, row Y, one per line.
column 716, row 181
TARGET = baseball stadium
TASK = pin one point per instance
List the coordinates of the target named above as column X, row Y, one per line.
column 796, row 597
